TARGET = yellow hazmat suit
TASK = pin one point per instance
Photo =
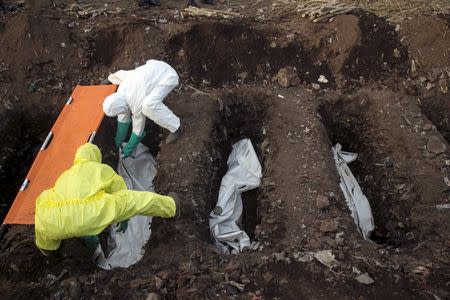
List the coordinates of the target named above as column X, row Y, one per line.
column 89, row 197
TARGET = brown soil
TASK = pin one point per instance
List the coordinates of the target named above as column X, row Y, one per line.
column 374, row 104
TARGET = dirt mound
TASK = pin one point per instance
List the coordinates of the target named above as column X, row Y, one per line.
column 379, row 50
column 216, row 53
column 428, row 41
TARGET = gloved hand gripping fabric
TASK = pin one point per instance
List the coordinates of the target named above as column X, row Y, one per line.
column 132, row 144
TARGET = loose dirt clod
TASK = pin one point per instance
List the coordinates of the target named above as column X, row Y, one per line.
column 434, row 145
column 287, row 76
column 322, row 201
column 329, row 226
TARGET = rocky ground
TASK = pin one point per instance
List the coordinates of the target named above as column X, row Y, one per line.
column 295, row 88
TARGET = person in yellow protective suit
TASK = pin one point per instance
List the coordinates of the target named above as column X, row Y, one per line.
column 89, row 197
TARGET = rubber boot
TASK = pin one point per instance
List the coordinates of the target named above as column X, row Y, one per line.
column 172, row 137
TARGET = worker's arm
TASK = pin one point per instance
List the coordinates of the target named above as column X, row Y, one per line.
column 125, row 117
column 117, row 184
column 134, row 203
column 44, row 242
column 44, row 237
column 118, row 77
column 138, row 124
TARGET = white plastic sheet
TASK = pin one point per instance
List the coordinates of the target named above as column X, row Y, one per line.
column 354, row 197
column 126, row 249
column 244, row 174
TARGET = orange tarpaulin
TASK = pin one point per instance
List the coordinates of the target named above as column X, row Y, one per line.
column 76, row 125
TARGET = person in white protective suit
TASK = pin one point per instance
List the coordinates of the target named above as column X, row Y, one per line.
column 140, row 95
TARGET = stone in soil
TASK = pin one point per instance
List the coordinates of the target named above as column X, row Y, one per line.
column 322, row 201
column 434, row 145
column 287, row 77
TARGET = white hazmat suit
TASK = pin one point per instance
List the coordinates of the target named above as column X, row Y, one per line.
column 141, row 93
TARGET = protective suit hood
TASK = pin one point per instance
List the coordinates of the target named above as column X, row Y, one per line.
column 115, row 104
column 88, row 152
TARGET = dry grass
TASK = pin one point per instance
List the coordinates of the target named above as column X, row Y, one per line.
column 393, row 10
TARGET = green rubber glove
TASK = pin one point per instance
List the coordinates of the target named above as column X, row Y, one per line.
column 122, row 226
column 121, row 133
column 132, row 144
column 91, row 242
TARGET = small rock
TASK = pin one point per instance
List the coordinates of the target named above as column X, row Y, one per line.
column 443, row 85
column 316, row 86
column 322, row 201
column 434, row 145
column 427, row 127
column 364, row 278
column 396, row 53
column 447, row 181
column 152, row 296
column 243, row 76
column 422, row 79
column 158, row 283
column 273, row 44
column 339, row 238
column 322, row 79
column 326, row 257
column 287, row 77
column 329, row 226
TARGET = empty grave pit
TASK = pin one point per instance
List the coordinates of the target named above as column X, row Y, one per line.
column 219, row 53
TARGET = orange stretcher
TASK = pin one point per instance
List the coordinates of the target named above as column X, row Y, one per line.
column 76, row 125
